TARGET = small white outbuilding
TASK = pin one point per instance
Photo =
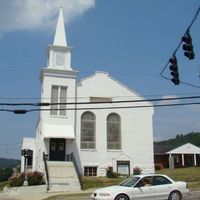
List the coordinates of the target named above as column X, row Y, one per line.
column 185, row 155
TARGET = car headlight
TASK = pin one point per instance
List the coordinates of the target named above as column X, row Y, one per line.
column 104, row 194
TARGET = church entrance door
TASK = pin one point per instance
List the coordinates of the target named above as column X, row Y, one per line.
column 57, row 149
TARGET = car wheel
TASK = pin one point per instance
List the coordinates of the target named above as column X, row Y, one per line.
column 122, row 197
column 175, row 195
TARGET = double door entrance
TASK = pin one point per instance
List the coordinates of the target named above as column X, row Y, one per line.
column 57, row 149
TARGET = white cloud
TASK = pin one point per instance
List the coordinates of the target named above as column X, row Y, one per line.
column 171, row 101
column 37, row 14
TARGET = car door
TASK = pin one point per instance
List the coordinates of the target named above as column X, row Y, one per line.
column 162, row 187
column 143, row 192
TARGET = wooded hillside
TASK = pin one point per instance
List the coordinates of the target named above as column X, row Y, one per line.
column 180, row 139
column 8, row 163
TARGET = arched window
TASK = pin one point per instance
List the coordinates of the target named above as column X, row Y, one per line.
column 88, row 131
column 113, row 131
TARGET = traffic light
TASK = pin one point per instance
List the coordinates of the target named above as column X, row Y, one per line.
column 174, row 70
column 187, row 46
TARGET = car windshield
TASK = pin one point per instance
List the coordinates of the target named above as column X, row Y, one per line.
column 129, row 182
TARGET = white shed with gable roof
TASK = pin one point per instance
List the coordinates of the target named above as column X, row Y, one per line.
column 189, row 154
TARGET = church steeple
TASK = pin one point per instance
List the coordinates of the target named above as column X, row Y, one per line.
column 59, row 54
column 60, row 36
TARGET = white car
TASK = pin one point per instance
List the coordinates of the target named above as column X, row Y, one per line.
column 151, row 187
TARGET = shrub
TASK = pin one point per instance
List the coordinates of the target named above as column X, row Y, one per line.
column 2, row 185
column 159, row 166
column 137, row 170
column 34, row 178
column 16, row 181
column 111, row 174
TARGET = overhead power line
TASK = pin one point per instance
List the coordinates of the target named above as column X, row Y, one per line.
column 177, row 48
column 24, row 111
column 82, row 72
column 86, row 97
column 100, row 102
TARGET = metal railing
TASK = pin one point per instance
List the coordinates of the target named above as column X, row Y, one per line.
column 46, row 169
column 68, row 157
column 77, row 170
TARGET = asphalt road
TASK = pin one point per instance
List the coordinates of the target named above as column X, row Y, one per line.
column 195, row 195
column 192, row 196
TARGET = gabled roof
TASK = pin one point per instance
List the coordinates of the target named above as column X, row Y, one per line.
column 106, row 74
column 185, row 149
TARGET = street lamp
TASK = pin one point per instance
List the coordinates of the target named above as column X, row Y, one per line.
column 25, row 154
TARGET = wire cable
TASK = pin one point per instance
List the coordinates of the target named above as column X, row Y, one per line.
column 179, row 44
column 86, row 97
column 24, row 111
column 100, row 102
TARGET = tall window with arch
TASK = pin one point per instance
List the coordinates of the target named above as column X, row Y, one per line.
column 88, row 126
column 113, row 132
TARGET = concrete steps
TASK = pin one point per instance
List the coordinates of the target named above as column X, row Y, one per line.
column 63, row 177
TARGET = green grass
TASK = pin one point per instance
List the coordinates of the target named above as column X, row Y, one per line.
column 194, row 185
column 96, row 182
column 3, row 184
column 190, row 175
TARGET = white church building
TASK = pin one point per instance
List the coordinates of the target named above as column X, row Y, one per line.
column 90, row 125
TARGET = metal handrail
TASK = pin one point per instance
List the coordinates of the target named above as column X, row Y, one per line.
column 46, row 170
column 77, row 170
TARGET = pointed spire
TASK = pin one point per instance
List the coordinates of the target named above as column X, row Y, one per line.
column 60, row 36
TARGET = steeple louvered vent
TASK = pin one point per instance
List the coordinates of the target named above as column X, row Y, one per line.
column 60, row 58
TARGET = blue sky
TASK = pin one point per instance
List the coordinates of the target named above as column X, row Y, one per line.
column 130, row 39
